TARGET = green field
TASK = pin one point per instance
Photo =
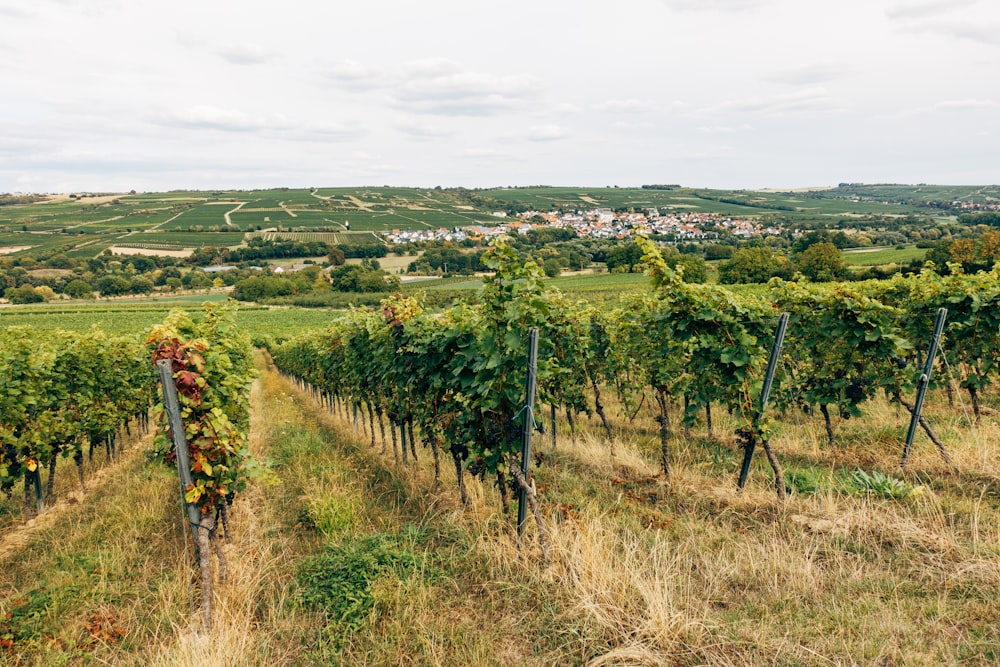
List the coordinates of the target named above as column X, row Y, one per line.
column 795, row 205
column 346, row 238
column 302, row 220
column 136, row 316
column 204, row 215
column 882, row 256
column 86, row 226
column 917, row 194
column 187, row 240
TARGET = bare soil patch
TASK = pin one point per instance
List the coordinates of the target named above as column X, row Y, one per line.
column 49, row 273
column 363, row 205
column 150, row 252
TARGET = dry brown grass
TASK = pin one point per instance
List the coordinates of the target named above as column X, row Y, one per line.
column 253, row 612
column 643, row 574
column 829, row 578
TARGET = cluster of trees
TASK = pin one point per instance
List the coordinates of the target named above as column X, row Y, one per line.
column 366, row 277
column 819, row 262
column 269, row 286
column 991, row 218
column 627, row 258
column 978, row 253
column 443, row 260
column 13, row 200
column 260, row 249
column 33, row 280
column 552, row 249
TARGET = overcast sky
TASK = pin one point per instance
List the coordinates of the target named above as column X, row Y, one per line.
column 110, row 95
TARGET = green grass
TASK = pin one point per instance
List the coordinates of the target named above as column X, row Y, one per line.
column 600, row 281
column 136, row 317
column 882, row 256
column 600, row 288
column 182, row 239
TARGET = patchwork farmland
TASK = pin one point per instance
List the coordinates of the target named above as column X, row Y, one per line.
column 87, row 224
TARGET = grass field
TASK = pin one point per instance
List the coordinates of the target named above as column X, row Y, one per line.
column 883, row 256
column 391, row 263
column 184, row 240
column 204, row 215
column 137, row 315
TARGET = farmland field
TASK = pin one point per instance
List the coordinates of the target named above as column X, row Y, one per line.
column 882, row 256
column 265, row 218
column 347, row 238
column 806, row 205
column 84, row 227
column 302, row 220
column 182, row 240
column 134, row 316
column 203, row 215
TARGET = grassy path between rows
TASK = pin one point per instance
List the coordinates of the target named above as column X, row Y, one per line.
column 342, row 562
column 353, row 559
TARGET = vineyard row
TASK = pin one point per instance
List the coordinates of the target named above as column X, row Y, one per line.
column 459, row 375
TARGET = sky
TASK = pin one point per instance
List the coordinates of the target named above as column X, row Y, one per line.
column 115, row 95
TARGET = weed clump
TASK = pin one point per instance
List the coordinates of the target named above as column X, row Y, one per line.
column 338, row 582
column 879, row 484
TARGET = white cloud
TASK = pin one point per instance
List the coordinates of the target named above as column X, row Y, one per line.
column 430, row 68
column 970, row 29
column 713, row 153
column 962, row 29
column 484, row 154
column 244, row 53
column 715, row 5
column 566, row 108
column 971, row 20
column 906, row 11
column 352, row 75
column 966, row 105
column 227, row 120
column 15, row 12
column 633, row 125
column 815, row 100
column 809, row 75
column 452, row 92
column 423, row 131
column 547, row 132
column 625, row 106
column 243, row 99
column 439, row 86
column 329, row 131
column 13, row 146
column 723, row 129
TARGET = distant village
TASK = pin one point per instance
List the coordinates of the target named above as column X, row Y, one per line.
column 597, row 223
